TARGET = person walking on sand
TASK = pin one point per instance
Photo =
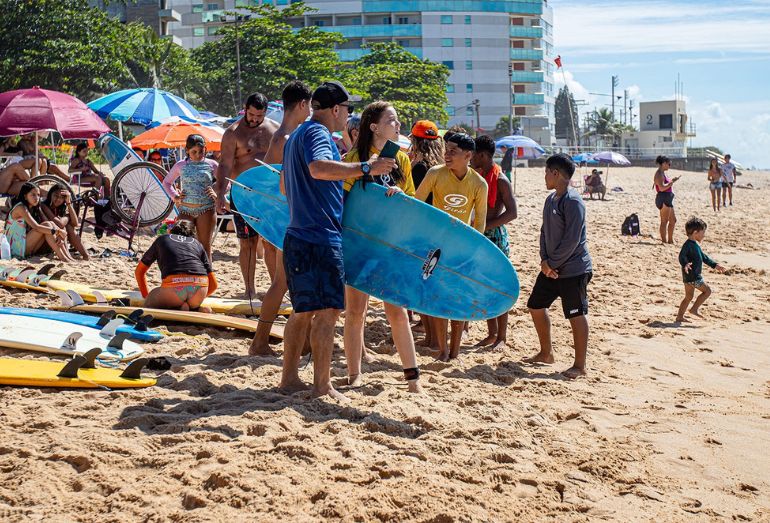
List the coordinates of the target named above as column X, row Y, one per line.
column 296, row 106
column 692, row 258
column 664, row 199
column 565, row 265
column 243, row 143
column 728, row 180
column 312, row 247
column 501, row 210
column 715, row 184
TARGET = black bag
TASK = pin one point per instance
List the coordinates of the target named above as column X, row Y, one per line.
column 630, row 226
column 106, row 218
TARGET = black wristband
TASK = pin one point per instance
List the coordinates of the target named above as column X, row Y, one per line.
column 412, row 374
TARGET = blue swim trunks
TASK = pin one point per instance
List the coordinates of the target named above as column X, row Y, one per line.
column 315, row 275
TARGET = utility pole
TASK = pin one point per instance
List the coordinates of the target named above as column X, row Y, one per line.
column 625, row 106
column 510, row 98
column 615, row 83
column 631, row 112
column 478, row 118
column 238, row 58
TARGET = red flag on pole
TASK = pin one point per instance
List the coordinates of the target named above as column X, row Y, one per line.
column 557, row 61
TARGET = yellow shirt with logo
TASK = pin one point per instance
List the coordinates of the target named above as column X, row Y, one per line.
column 464, row 199
column 406, row 185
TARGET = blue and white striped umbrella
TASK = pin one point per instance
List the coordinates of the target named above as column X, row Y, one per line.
column 142, row 106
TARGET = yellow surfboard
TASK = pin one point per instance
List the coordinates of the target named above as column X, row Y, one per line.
column 37, row 373
column 217, row 305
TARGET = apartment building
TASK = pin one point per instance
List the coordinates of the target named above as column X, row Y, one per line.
column 499, row 52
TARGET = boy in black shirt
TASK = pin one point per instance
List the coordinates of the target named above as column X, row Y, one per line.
column 692, row 258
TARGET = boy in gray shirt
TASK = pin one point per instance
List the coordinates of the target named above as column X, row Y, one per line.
column 565, row 265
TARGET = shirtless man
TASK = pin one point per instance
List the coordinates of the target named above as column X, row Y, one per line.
column 296, row 106
column 243, row 143
column 501, row 210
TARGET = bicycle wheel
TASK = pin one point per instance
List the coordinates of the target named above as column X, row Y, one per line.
column 46, row 181
column 139, row 183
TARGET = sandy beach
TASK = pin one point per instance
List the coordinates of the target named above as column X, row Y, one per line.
column 671, row 424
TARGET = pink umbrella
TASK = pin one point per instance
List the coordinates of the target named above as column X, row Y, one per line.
column 29, row 110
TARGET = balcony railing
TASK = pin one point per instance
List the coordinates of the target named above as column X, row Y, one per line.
column 519, row 31
column 527, row 76
column 212, row 16
column 348, row 55
column 528, row 99
column 169, row 15
column 526, row 54
column 531, row 7
column 375, row 31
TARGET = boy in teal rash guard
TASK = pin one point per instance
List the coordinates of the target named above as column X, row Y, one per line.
column 692, row 258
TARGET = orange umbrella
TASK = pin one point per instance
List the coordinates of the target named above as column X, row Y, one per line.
column 174, row 134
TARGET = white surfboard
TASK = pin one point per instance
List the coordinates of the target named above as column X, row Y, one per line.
column 66, row 339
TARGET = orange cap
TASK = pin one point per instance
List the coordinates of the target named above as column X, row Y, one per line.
column 425, row 129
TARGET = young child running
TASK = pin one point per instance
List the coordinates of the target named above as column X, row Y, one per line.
column 692, row 258
column 565, row 265
column 461, row 192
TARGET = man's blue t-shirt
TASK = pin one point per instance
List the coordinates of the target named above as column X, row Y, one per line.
column 315, row 205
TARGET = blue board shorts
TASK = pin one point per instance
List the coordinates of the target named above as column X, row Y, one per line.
column 315, row 275
column 499, row 236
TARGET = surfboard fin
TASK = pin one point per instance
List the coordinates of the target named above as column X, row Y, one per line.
column 135, row 316
column 71, row 342
column 75, row 298
column 99, row 297
column 111, row 328
column 143, row 323
column 105, row 318
column 46, row 268
column 70, row 370
column 116, row 342
column 134, row 369
column 90, row 358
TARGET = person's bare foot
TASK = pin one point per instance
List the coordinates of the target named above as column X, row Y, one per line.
column 293, row 386
column 414, row 386
column 499, row 345
column 681, row 320
column 487, row 341
column 539, row 358
column 258, row 349
column 367, row 357
column 443, row 355
column 355, row 380
column 574, row 372
column 696, row 312
column 425, row 342
column 331, row 392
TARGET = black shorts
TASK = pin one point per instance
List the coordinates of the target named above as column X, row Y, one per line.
column 315, row 275
column 728, row 184
column 664, row 198
column 572, row 291
column 242, row 228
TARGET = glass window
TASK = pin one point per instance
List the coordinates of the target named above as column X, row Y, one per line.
column 468, row 88
column 403, row 20
column 319, row 23
column 197, row 8
column 470, row 111
column 468, row 42
column 212, row 7
column 356, row 21
column 213, row 30
column 403, row 43
column 447, row 42
column 446, row 19
column 450, row 111
column 467, row 19
column 450, row 88
column 468, row 65
column 281, row 2
column 241, row 3
column 199, row 31
column 449, row 64
column 386, row 20
column 665, row 121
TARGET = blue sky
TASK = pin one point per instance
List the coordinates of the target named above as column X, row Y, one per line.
column 720, row 50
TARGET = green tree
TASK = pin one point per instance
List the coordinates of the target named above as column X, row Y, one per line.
column 272, row 53
column 63, row 45
column 602, row 124
column 390, row 72
column 566, row 116
column 502, row 128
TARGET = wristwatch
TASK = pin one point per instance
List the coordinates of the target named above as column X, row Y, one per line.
column 365, row 168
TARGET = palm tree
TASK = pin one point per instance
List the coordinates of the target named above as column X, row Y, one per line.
column 602, row 124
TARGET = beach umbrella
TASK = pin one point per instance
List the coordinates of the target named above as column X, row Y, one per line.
column 610, row 158
column 404, row 142
column 525, row 149
column 174, row 134
column 584, row 158
column 31, row 110
column 142, row 106
column 183, row 119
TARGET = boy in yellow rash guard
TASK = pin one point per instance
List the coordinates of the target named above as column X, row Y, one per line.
column 461, row 192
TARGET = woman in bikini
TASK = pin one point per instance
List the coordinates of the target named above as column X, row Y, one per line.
column 379, row 123
column 57, row 208
column 28, row 232
column 664, row 199
column 83, row 171
column 185, row 268
column 196, row 198
column 715, row 184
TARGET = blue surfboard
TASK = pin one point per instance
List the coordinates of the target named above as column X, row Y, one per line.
column 83, row 320
column 399, row 249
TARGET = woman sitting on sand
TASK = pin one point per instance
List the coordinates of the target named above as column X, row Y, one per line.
column 664, row 199
column 26, row 230
column 184, row 267
column 83, row 171
column 196, row 197
column 379, row 123
column 57, row 208
column 715, row 184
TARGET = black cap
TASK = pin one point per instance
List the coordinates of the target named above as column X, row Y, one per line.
column 329, row 94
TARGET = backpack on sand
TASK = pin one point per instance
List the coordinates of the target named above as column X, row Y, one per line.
column 630, row 226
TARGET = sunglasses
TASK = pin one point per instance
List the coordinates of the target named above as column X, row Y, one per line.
column 350, row 108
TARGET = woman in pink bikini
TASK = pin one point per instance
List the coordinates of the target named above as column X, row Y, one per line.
column 664, row 199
